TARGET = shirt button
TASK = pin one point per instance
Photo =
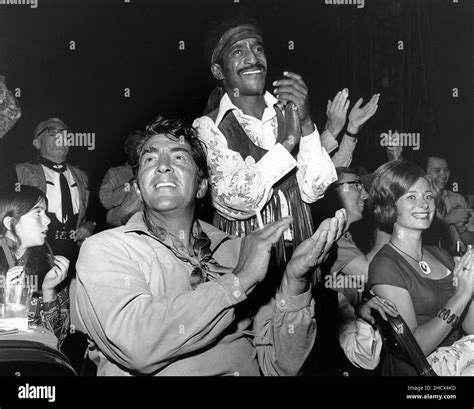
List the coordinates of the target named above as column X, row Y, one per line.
column 236, row 293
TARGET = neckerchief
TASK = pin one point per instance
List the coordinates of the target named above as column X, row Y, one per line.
column 205, row 268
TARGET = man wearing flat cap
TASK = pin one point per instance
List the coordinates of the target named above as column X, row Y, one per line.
column 264, row 152
column 65, row 186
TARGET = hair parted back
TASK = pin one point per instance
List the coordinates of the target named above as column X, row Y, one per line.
column 175, row 128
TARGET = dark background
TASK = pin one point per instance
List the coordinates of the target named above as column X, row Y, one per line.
column 136, row 45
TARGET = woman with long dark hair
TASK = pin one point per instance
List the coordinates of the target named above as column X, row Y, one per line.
column 23, row 257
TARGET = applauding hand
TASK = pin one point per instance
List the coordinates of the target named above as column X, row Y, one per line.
column 311, row 253
column 336, row 112
column 360, row 115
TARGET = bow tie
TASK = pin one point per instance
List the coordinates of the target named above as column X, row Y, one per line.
column 57, row 167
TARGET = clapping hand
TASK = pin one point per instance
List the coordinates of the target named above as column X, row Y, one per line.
column 336, row 112
column 360, row 115
column 314, row 250
column 255, row 250
column 293, row 89
column 457, row 215
column 463, row 276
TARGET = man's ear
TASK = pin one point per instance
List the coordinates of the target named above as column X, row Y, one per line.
column 7, row 222
column 137, row 190
column 36, row 143
column 217, row 72
column 202, row 189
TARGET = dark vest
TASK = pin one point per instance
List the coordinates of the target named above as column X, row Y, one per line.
column 302, row 226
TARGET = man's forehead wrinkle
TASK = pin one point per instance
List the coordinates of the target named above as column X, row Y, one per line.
column 181, row 148
column 151, row 149
column 244, row 41
column 156, row 146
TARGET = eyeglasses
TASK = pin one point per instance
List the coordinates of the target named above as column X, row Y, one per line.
column 358, row 184
column 52, row 131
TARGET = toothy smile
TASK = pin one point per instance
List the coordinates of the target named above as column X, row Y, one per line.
column 421, row 215
column 252, row 72
column 164, row 184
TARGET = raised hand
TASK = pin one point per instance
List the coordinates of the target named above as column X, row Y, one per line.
column 314, row 250
column 255, row 252
column 83, row 232
column 54, row 277
column 293, row 89
column 360, row 115
column 394, row 153
column 457, row 215
column 292, row 127
column 336, row 112
column 463, row 276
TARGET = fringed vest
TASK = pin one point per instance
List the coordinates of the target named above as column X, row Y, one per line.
column 302, row 226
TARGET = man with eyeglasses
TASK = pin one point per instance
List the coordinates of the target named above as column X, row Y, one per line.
column 65, row 186
column 168, row 294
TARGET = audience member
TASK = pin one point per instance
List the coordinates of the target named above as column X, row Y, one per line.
column 65, row 186
column 253, row 137
column 347, row 259
column 68, row 200
column 23, row 228
column 170, row 295
column 432, row 294
column 116, row 192
column 452, row 212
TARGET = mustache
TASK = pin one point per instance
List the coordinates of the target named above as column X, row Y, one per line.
column 258, row 65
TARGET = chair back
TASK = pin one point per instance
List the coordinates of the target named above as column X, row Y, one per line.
column 399, row 340
column 29, row 358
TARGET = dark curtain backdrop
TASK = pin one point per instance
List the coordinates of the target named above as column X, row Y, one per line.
column 136, row 45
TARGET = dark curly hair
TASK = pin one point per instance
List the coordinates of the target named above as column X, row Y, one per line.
column 176, row 128
column 130, row 145
column 391, row 181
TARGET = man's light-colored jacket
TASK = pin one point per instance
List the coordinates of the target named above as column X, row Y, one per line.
column 135, row 300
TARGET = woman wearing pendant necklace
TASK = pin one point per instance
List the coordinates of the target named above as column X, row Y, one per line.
column 433, row 296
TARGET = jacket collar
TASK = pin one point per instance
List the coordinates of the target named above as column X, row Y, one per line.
column 137, row 224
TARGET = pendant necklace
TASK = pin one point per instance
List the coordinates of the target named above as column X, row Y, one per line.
column 424, row 267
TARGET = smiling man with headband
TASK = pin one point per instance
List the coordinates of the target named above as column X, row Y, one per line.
column 264, row 152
